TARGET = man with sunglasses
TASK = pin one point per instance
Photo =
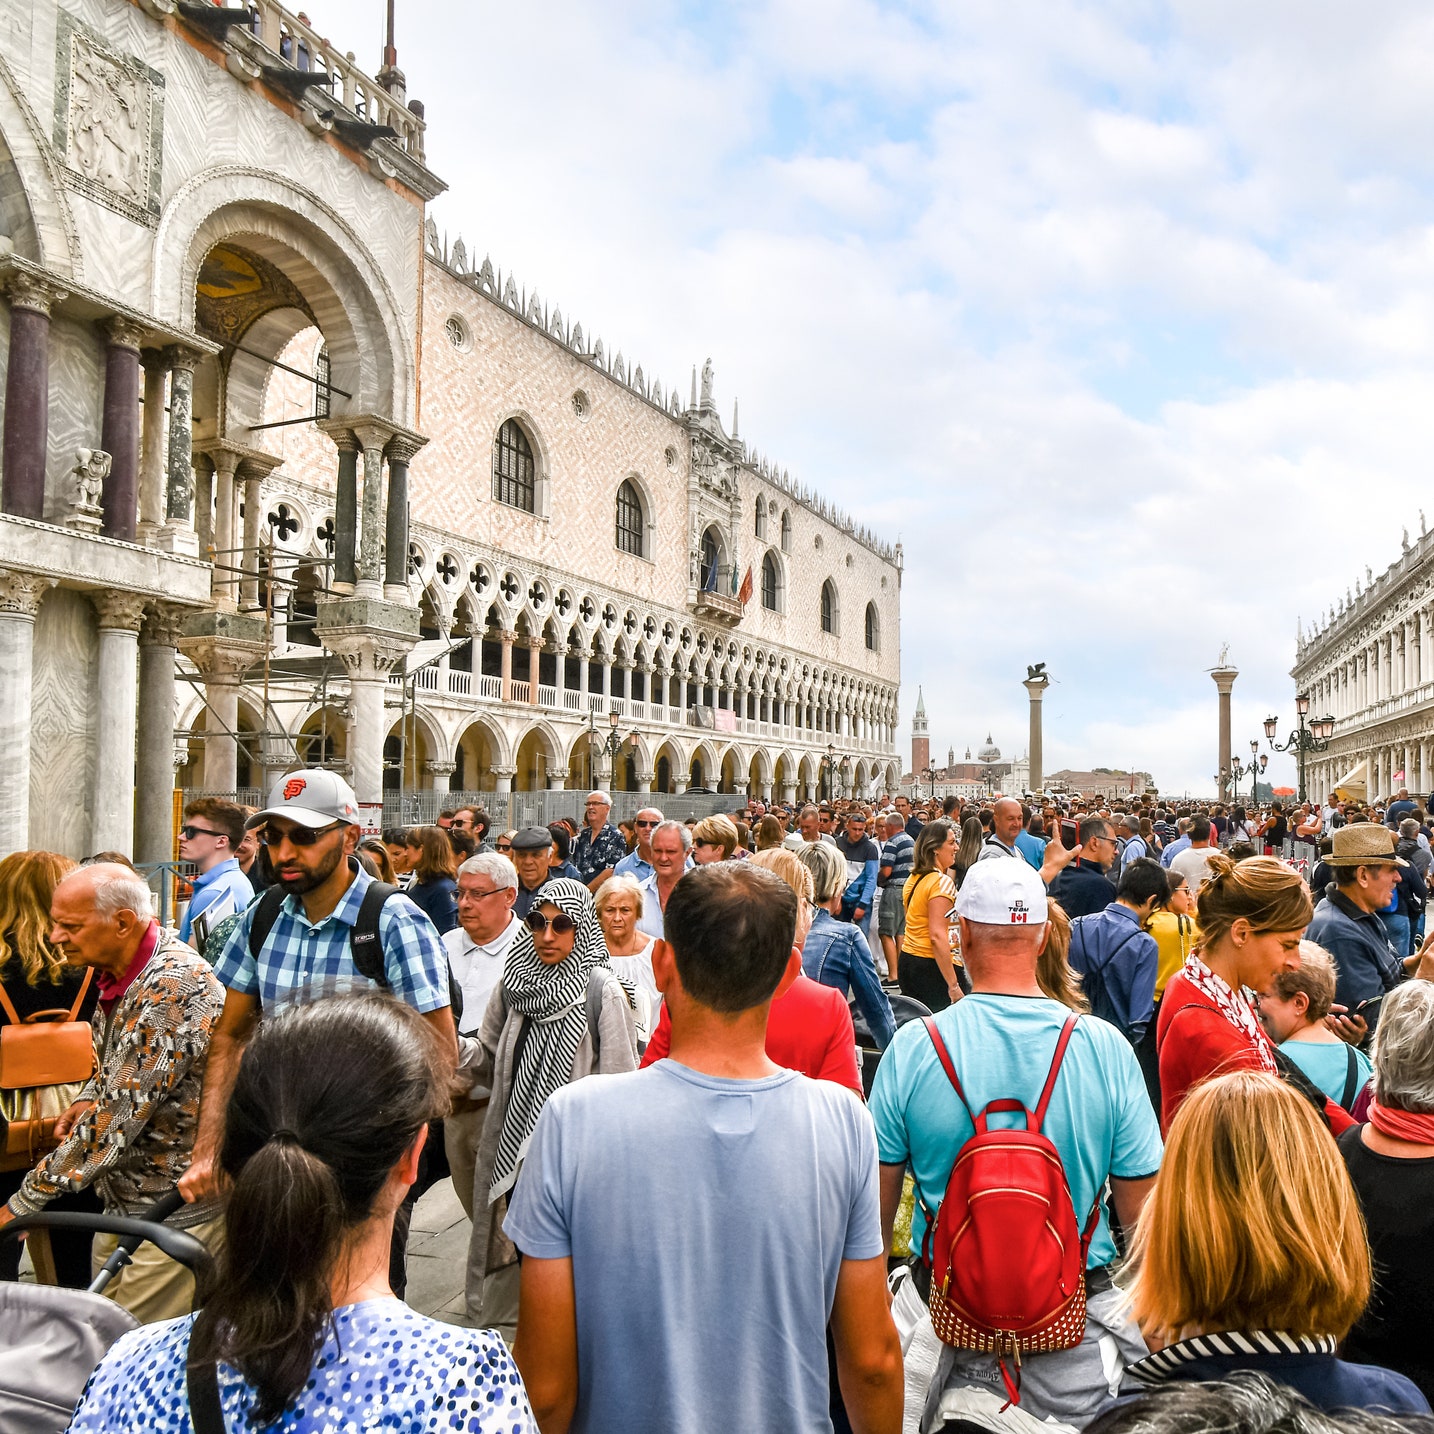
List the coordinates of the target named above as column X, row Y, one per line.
column 210, row 837
column 638, row 862
column 311, row 829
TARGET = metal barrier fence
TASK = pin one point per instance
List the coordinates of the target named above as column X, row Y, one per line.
column 538, row 809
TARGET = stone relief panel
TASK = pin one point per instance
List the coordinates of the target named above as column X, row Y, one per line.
column 109, row 121
column 62, row 729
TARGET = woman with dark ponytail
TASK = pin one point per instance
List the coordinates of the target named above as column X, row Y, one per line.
column 325, row 1127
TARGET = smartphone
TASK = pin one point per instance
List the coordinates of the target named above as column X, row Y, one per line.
column 1367, row 1010
column 1070, row 834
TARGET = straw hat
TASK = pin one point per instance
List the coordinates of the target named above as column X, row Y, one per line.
column 1364, row 844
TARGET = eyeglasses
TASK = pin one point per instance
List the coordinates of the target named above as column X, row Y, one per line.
column 296, row 836
column 647, row 824
column 191, row 831
column 480, row 895
column 560, row 924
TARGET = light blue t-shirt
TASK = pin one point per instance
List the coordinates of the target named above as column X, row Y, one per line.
column 1100, row 1116
column 221, row 890
column 706, row 1220
column 1327, row 1065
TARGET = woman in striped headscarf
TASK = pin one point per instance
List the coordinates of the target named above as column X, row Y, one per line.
column 559, row 1013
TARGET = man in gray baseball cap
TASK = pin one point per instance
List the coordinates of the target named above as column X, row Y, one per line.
column 531, row 849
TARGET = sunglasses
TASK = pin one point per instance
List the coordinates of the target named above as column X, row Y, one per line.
column 190, row 832
column 296, row 836
column 505, row 846
column 560, row 924
column 646, row 824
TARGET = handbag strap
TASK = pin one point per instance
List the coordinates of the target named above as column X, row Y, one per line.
column 201, row 1386
column 8, row 1006
column 73, row 1014
column 80, row 998
column 1351, row 1078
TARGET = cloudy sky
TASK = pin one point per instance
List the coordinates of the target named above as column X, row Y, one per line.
column 1120, row 316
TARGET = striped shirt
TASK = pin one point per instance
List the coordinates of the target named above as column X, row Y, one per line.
column 899, row 854
column 302, row 961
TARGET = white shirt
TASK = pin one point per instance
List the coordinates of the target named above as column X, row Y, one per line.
column 477, row 969
column 1194, row 865
column 650, row 922
column 637, row 968
column 795, row 841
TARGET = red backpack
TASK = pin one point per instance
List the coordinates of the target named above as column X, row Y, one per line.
column 1007, row 1262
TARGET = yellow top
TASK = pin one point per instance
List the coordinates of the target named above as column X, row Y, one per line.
column 1175, row 938
column 916, row 895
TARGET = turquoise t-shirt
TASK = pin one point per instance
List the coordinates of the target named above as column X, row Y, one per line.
column 1100, row 1117
column 1326, row 1063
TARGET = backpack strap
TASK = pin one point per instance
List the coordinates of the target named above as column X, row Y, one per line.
column 1351, row 1078
column 944, row 1056
column 1062, row 1042
column 80, row 998
column 364, row 944
column 266, row 913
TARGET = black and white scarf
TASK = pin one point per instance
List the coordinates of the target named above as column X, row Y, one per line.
column 553, row 1001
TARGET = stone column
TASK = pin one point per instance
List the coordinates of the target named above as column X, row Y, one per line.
column 153, row 456
column 606, row 683
column 27, row 397
column 346, row 515
column 1036, row 691
column 204, row 510
column 503, row 779
column 177, row 535
column 583, row 680
column 366, row 689
column 224, row 584
column 505, row 665
column 253, row 507
column 154, row 765
column 373, row 436
column 400, row 453
column 20, row 597
column 222, row 659
column 119, row 434
column 1224, row 679
column 120, row 615
column 439, row 774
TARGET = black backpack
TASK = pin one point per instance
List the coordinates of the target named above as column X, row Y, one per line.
column 364, row 944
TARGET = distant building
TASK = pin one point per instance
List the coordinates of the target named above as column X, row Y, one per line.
column 1102, row 782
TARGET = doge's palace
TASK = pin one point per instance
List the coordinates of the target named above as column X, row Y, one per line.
column 289, row 478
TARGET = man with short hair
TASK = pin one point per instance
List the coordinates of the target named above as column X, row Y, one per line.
column 1366, row 870
column 783, row 1170
column 444, row 820
column 1116, row 959
column 130, row 1135
column 807, row 830
column 670, row 841
column 826, row 821
column 477, row 948
column 1001, row 1039
column 1005, row 828
column 210, row 837
column 1194, row 862
column 1402, row 806
column 638, row 862
column 862, row 857
column 910, row 821
column 600, row 845
column 477, row 823
column 898, row 857
column 1136, row 847
column 532, row 857
column 1181, row 842
column 1083, row 887
column 1030, row 840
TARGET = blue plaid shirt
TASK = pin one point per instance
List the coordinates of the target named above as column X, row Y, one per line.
column 301, row 962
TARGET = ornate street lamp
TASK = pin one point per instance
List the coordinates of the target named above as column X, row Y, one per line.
column 1308, row 737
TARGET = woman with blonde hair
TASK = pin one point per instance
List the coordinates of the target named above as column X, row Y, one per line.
column 714, row 839
column 619, row 906
column 1250, row 1253
column 35, row 978
column 1252, row 916
column 1053, row 969
column 809, row 1027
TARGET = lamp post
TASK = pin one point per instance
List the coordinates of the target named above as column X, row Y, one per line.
column 1235, row 773
column 1313, row 737
column 830, row 760
column 1258, row 763
column 930, row 776
column 612, row 743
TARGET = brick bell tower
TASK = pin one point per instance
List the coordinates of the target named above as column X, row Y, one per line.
column 920, row 737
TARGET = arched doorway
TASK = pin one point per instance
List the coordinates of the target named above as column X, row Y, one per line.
column 538, row 760
column 474, row 757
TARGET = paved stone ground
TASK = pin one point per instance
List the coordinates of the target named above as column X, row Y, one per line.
column 438, row 1255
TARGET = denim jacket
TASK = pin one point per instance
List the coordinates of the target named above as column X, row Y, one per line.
column 836, row 954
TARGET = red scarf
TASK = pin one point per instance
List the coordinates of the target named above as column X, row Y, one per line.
column 1410, row 1125
column 1235, row 1006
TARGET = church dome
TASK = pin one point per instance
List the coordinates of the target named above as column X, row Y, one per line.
column 990, row 752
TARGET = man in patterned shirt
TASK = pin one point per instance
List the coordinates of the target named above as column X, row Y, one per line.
column 311, row 829
column 600, row 845
column 130, row 1132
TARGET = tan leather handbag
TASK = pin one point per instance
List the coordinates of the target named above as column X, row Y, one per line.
column 44, row 1061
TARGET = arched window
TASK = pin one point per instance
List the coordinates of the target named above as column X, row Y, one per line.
column 629, row 519
column 786, row 532
column 873, row 628
column 761, row 511
column 829, row 607
column 323, row 377
column 769, row 582
column 513, row 467
column 710, row 553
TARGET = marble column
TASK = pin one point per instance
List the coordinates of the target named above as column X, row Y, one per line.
column 400, row 451
column 583, row 681
column 119, row 433
column 368, row 658
column 505, row 664
column 222, row 664
column 503, row 779
column 346, row 515
column 120, row 615
column 20, row 597
column 224, row 583
column 204, row 511
column 154, row 774
column 534, row 648
column 1224, row 679
column 178, row 535
column 373, row 437
column 439, row 774
column 27, row 396
column 1036, row 691
column 153, row 456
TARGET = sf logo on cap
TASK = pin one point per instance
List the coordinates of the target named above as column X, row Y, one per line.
column 293, row 787
column 1019, row 912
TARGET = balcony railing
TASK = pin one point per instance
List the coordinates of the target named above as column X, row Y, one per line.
column 520, row 690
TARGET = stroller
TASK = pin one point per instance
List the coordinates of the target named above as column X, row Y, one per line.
column 53, row 1338
column 904, row 1009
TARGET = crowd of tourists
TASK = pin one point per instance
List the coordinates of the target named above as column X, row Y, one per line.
column 849, row 1115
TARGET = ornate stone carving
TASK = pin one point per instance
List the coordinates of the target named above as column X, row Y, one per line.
column 91, row 468
column 22, row 593
column 32, row 291
column 108, row 131
column 163, row 624
column 440, row 769
column 123, row 333
column 119, row 611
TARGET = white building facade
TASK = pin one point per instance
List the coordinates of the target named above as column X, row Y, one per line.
column 1370, row 665
column 286, row 480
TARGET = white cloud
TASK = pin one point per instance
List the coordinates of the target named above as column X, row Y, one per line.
column 1121, row 317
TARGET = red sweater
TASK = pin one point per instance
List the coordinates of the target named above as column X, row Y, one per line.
column 1196, row 1041
column 809, row 1030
